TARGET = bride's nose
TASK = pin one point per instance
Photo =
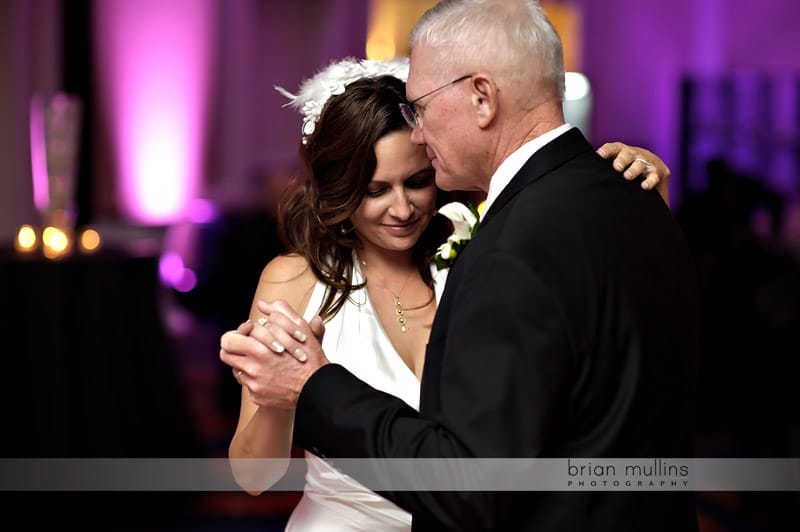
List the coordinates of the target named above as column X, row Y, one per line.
column 402, row 207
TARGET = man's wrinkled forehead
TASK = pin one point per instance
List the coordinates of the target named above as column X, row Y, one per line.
column 422, row 71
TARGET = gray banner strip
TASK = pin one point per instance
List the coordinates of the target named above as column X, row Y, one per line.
column 568, row 474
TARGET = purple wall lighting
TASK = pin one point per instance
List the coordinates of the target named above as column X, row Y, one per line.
column 154, row 62
column 173, row 272
column 41, row 196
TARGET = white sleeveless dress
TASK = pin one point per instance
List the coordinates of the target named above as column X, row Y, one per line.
column 355, row 338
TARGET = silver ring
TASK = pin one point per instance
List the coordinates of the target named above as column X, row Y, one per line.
column 262, row 321
column 644, row 162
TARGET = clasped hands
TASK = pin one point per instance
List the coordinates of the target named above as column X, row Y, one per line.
column 274, row 357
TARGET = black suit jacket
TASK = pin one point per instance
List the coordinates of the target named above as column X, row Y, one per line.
column 567, row 328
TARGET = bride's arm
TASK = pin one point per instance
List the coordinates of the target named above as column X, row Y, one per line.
column 263, row 432
column 634, row 161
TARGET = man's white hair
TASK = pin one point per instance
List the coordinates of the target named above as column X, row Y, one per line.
column 511, row 39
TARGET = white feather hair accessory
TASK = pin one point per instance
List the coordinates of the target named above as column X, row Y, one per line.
column 332, row 80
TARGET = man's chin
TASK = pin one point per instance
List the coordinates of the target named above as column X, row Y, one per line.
column 444, row 182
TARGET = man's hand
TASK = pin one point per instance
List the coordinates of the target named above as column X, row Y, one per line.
column 276, row 356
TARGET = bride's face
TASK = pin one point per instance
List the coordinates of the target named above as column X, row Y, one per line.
column 401, row 198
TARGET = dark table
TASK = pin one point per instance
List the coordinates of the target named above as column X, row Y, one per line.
column 88, row 369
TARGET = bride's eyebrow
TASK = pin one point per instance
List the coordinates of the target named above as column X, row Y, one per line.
column 421, row 173
column 425, row 172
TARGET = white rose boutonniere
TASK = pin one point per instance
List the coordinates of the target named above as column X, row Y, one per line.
column 465, row 220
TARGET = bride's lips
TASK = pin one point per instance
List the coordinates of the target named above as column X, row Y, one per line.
column 402, row 229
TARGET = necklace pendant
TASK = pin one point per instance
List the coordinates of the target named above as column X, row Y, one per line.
column 401, row 319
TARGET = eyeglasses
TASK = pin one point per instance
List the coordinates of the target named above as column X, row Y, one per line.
column 411, row 111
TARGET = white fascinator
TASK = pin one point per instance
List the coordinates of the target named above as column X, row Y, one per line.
column 332, row 80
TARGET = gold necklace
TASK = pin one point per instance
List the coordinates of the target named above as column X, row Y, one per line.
column 399, row 309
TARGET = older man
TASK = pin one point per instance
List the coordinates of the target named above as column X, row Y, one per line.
column 567, row 326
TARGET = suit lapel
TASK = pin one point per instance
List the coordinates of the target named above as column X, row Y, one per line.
column 550, row 156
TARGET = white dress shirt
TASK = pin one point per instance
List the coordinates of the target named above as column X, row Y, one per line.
column 509, row 168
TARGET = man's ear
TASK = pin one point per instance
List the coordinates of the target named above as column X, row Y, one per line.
column 485, row 98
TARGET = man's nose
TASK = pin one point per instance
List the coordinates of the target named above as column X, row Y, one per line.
column 416, row 135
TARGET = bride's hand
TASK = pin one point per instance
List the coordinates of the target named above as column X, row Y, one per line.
column 633, row 161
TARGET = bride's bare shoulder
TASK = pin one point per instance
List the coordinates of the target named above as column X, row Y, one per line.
column 288, row 277
column 287, row 268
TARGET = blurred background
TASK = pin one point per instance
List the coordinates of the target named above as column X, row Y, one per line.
column 147, row 135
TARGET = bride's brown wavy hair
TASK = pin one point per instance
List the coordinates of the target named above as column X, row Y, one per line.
column 339, row 161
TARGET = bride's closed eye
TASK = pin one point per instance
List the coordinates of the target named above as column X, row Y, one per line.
column 418, row 181
column 374, row 192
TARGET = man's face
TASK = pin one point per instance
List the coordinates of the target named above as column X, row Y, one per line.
column 443, row 118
